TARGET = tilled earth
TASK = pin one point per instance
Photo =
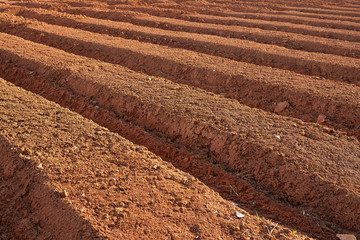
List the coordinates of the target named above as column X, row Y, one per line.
column 179, row 119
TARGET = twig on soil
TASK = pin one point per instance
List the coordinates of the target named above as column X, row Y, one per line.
column 234, row 190
column 270, row 232
column 244, row 232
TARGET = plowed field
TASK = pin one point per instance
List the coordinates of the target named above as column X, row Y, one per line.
column 211, row 119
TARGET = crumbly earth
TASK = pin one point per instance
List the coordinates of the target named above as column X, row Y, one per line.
column 260, row 101
column 65, row 177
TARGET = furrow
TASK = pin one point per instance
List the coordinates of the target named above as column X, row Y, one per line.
column 293, row 41
column 325, row 5
column 346, row 35
column 232, row 79
column 221, row 18
column 325, row 11
column 336, row 24
column 280, row 3
column 269, row 7
column 114, row 189
column 288, row 40
column 241, row 12
column 244, row 11
column 321, row 16
column 324, row 65
column 225, row 135
column 353, row 6
column 343, row 7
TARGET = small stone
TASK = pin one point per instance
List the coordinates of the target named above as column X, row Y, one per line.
column 64, row 194
column 281, row 106
column 40, row 166
column 25, row 158
column 278, row 137
column 119, row 210
column 321, row 119
column 346, row 236
column 97, row 107
column 25, row 151
column 239, row 215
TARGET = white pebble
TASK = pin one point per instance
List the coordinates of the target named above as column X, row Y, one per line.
column 239, row 215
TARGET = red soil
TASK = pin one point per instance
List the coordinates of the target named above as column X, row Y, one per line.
column 94, row 184
column 235, row 96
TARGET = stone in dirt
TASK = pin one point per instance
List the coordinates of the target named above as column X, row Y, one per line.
column 321, row 119
column 281, row 106
column 346, row 236
column 239, row 215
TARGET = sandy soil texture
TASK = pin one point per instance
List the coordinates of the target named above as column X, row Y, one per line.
column 211, row 119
